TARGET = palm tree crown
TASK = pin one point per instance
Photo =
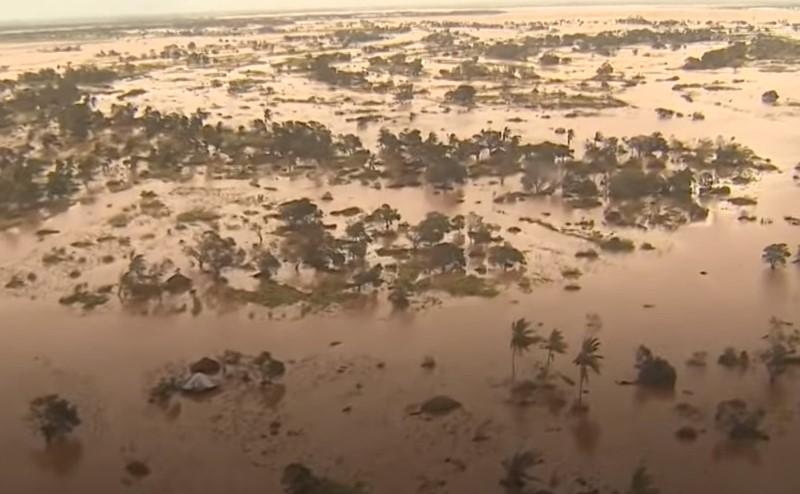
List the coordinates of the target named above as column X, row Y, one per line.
column 554, row 344
column 588, row 358
column 522, row 338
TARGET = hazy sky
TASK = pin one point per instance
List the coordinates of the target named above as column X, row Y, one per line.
column 53, row 9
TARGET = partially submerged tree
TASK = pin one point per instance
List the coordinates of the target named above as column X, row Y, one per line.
column 782, row 349
column 462, row 95
column 385, row 215
column 775, row 255
column 430, row 230
column 517, row 471
column 506, row 256
column 53, row 417
column 523, row 337
column 642, row 482
column 299, row 212
column 588, row 358
column 654, row 371
column 266, row 263
column 214, row 253
column 446, row 256
column 554, row 345
column 299, row 479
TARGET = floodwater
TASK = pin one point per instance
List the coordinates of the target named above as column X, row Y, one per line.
column 344, row 409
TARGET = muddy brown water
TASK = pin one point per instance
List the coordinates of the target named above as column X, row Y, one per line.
column 106, row 360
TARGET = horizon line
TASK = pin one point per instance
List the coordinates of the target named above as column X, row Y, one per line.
column 471, row 5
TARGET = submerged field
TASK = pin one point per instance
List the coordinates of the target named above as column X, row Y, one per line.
column 524, row 251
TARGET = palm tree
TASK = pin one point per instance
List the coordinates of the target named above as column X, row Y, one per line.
column 522, row 337
column 516, row 468
column 554, row 344
column 587, row 358
column 775, row 255
column 642, row 482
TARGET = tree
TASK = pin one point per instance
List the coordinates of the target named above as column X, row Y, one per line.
column 141, row 282
column 654, row 371
column 267, row 264
column 86, row 170
column 445, row 170
column 299, row 212
column 462, row 95
column 506, row 256
column 540, row 174
column 517, row 471
column 522, row 337
column 53, row 417
column 446, row 256
column 588, row 358
column 60, row 181
column 430, row 230
column 642, row 482
column 214, row 253
column 782, row 348
column 554, row 344
column 384, row 214
column 405, row 93
column 775, row 255
column 372, row 276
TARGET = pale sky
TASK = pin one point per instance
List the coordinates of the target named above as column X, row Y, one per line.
column 55, row 9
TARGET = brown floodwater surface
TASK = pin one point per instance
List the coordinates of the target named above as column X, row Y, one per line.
column 344, row 409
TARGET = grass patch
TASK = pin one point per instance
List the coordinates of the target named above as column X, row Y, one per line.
column 459, row 285
column 268, row 294
column 197, row 215
column 119, row 220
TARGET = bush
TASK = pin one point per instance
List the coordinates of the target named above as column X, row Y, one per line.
column 53, row 417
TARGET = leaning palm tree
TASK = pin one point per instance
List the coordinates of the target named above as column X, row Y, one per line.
column 554, row 344
column 522, row 337
column 588, row 358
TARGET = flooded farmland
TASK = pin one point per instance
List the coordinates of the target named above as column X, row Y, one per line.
column 533, row 250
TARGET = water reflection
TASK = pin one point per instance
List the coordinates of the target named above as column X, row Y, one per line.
column 729, row 450
column 60, row 457
column 586, row 432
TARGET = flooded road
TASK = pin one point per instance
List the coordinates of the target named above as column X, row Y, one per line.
column 354, row 381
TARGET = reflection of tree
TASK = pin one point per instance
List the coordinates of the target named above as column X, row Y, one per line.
column 729, row 450
column 586, row 433
column 60, row 456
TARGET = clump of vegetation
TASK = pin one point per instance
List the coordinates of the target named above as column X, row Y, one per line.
column 740, row 424
column 654, row 371
column 763, row 47
column 214, row 253
column 197, row 215
column 517, row 471
column 459, row 285
column 85, row 298
column 463, row 95
column 732, row 358
column 299, row 479
column 781, row 348
column 53, row 417
column 776, row 255
column 642, row 482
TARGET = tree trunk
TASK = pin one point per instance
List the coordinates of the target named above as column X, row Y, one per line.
column 580, row 391
column 513, row 366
